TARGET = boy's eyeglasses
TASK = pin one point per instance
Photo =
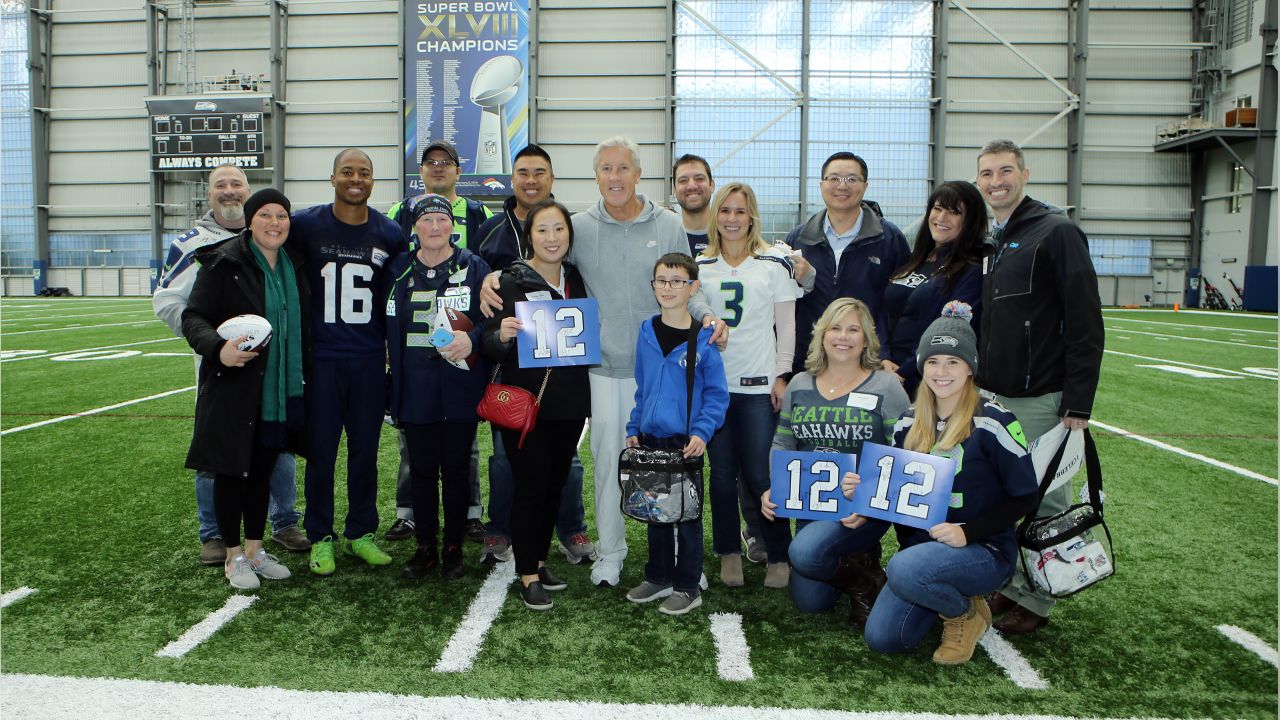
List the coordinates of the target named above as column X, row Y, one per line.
column 673, row 284
column 438, row 163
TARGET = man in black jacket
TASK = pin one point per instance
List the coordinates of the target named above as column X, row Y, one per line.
column 1041, row 340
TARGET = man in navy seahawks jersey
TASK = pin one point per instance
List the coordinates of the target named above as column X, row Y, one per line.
column 347, row 243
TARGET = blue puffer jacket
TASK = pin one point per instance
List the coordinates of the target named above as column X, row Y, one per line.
column 662, row 388
column 865, row 268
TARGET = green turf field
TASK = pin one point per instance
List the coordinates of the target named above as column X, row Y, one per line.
column 98, row 516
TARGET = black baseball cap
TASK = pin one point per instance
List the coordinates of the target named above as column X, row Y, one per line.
column 444, row 145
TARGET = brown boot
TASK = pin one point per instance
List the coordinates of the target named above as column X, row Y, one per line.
column 999, row 604
column 1020, row 621
column 731, row 570
column 861, row 578
column 960, row 635
column 777, row 575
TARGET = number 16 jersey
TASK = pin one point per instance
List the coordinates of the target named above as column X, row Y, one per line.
column 344, row 265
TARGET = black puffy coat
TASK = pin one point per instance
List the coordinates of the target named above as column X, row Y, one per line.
column 229, row 399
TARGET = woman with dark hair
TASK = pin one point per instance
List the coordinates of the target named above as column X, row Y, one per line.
column 945, row 265
column 539, row 461
column 249, row 407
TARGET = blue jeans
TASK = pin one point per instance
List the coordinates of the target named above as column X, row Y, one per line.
column 570, row 518
column 284, row 495
column 928, row 580
column 815, row 554
column 742, row 446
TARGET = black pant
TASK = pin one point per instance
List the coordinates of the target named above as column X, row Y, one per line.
column 235, row 498
column 539, row 470
column 440, row 453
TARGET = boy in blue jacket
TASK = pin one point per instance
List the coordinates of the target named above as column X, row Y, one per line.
column 661, row 419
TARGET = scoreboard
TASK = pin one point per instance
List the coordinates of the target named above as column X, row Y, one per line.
column 204, row 131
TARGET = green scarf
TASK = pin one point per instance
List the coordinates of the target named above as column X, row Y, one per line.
column 283, row 377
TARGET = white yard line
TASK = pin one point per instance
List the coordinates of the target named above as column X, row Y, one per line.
column 1169, row 336
column 205, row 629
column 465, row 644
column 1250, row 642
column 733, row 654
column 15, row 595
column 1210, row 368
column 78, row 327
column 47, row 354
column 1272, row 333
column 39, row 697
column 1186, row 453
column 1190, row 372
column 1011, row 661
column 95, row 411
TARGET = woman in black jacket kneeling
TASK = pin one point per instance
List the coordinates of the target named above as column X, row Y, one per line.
column 540, row 465
column 249, row 404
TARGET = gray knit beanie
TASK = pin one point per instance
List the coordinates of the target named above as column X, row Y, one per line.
column 950, row 334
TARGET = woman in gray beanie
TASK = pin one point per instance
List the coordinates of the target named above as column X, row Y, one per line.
column 945, row 572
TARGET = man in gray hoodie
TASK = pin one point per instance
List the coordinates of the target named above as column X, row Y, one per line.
column 615, row 245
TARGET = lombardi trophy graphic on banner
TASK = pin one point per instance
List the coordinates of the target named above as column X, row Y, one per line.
column 494, row 84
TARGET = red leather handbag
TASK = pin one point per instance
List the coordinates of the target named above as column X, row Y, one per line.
column 511, row 407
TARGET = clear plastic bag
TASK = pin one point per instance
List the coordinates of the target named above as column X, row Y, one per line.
column 660, row 486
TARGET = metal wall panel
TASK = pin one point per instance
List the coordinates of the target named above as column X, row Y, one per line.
column 607, row 24
column 594, row 58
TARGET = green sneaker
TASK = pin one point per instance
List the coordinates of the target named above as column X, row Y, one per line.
column 367, row 550
column 322, row 556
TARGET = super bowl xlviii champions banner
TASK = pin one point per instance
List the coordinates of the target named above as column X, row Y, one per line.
column 466, row 80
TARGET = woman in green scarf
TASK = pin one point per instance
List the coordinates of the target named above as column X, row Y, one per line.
column 249, row 406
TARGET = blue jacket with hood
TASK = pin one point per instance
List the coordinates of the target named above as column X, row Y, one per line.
column 662, row 390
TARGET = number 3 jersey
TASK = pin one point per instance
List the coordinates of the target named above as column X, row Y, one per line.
column 992, row 466
column 344, row 265
column 809, row 422
column 744, row 298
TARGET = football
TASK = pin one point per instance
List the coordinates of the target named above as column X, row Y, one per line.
column 255, row 327
column 456, row 320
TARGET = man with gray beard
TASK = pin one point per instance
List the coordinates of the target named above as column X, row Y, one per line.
column 228, row 189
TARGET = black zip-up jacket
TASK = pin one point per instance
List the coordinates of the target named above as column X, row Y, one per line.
column 229, row 399
column 498, row 240
column 568, row 393
column 1041, row 313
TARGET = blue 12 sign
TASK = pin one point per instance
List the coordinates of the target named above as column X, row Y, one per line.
column 558, row 333
column 904, row 487
column 806, row 485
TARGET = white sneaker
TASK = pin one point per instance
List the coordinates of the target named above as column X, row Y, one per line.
column 268, row 566
column 702, row 582
column 241, row 575
column 606, row 573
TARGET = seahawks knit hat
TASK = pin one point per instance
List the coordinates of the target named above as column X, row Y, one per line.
column 265, row 196
column 432, row 204
column 950, row 334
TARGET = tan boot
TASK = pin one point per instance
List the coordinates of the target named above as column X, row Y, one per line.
column 731, row 570
column 960, row 635
column 777, row 575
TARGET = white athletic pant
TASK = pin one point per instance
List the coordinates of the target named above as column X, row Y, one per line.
column 611, row 403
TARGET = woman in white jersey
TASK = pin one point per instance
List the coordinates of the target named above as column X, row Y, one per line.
column 749, row 285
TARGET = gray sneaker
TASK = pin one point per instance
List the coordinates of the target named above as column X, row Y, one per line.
column 578, row 549
column 648, row 592
column 680, row 603
column 756, row 552
column 268, row 566
column 213, row 552
column 496, row 549
column 241, row 575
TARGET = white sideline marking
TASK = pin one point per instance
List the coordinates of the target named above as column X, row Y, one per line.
column 40, row 697
column 1192, row 372
column 1165, row 337
column 205, row 629
column 467, row 639
column 78, row 327
column 1272, row 333
column 46, row 353
column 1250, row 642
column 95, row 411
column 1186, row 453
column 15, row 595
column 1011, row 661
column 1269, row 372
column 1258, row 376
column 733, row 654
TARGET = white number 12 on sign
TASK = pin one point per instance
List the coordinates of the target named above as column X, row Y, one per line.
column 570, row 315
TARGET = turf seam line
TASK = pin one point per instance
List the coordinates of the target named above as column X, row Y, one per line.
column 1170, row 336
column 205, row 629
column 15, row 595
column 76, row 327
column 95, row 411
column 1251, row 642
column 461, row 651
column 46, row 354
column 733, row 654
column 1011, row 661
column 1186, row 453
column 1255, row 376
